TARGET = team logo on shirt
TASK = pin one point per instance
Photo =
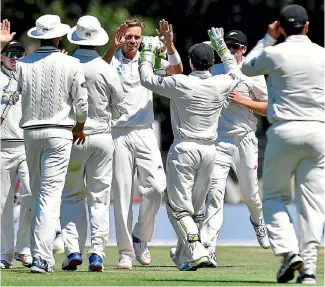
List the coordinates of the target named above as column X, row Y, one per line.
column 120, row 69
column 160, row 80
column 84, row 85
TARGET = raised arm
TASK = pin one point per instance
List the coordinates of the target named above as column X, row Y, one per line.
column 116, row 43
column 165, row 86
column 166, row 35
column 258, row 61
column 232, row 77
column 5, row 35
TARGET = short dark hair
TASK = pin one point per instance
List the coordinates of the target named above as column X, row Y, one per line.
column 46, row 42
column 293, row 30
column 202, row 56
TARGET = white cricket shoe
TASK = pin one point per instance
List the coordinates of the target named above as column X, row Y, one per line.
column 142, row 253
column 306, row 277
column 124, row 263
column 290, row 263
column 25, row 259
column 261, row 234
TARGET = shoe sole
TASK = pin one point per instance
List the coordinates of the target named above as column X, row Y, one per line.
column 289, row 274
column 124, row 268
column 201, row 263
column 35, row 269
column 72, row 265
column 142, row 262
column 95, row 268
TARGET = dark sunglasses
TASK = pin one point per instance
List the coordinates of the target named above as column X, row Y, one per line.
column 234, row 46
column 13, row 54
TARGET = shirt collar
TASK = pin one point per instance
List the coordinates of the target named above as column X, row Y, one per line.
column 119, row 55
column 298, row 38
column 86, row 53
column 47, row 49
column 5, row 70
column 201, row 74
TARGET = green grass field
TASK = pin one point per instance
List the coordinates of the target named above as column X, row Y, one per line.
column 238, row 266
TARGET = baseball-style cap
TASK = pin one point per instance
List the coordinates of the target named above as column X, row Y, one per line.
column 236, row 36
column 202, row 56
column 13, row 44
column 293, row 15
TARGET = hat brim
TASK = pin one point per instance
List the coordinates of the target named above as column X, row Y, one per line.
column 60, row 31
column 14, row 46
column 100, row 40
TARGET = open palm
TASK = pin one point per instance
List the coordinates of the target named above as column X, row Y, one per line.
column 5, row 35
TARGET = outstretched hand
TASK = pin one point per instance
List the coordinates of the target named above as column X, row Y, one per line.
column 5, row 35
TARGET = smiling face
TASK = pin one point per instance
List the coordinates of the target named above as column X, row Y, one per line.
column 132, row 39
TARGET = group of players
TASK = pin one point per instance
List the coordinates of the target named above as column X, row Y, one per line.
column 107, row 103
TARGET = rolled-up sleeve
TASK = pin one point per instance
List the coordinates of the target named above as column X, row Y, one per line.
column 79, row 94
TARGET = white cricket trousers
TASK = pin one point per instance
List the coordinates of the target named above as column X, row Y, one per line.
column 295, row 149
column 47, row 158
column 242, row 156
column 13, row 163
column 189, row 170
column 136, row 150
column 88, row 182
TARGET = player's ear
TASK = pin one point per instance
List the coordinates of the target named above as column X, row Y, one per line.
column 306, row 27
column 244, row 50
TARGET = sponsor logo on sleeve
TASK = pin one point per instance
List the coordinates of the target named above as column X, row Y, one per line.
column 84, row 85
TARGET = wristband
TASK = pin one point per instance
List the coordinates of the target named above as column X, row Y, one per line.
column 174, row 59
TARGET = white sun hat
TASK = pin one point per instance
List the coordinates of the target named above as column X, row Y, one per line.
column 48, row 27
column 88, row 32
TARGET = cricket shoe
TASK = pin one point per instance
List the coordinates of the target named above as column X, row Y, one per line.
column 195, row 264
column 212, row 260
column 306, row 278
column 71, row 262
column 124, row 263
column 5, row 265
column 172, row 254
column 40, row 265
column 290, row 263
column 25, row 259
column 142, row 253
column 95, row 263
column 261, row 234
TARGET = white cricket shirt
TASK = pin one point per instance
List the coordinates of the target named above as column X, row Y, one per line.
column 296, row 77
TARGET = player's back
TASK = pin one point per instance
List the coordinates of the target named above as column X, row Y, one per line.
column 196, row 107
column 47, row 78
column 296, row 83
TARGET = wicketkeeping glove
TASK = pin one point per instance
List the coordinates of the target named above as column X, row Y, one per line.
column 217, row 41
column 149, row 46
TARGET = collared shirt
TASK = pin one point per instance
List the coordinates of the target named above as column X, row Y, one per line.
column 295, row 70
column 11, row 109
column 106, row 96
column 50, row 83
column 138, row 99
column 196, row 100
column 236, row 120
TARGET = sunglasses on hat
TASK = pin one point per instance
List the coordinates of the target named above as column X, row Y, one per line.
column 234, row 46
column 13, row 54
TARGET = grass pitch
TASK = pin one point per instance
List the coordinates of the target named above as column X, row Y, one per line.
column 238, row 266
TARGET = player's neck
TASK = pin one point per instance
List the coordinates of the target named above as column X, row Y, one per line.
column 130, row 55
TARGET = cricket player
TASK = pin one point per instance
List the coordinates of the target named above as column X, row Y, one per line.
column 50, row 83
column 196, row 103
column 237, row 147
column 13, row 163
column 91, row 164
column 295, row 144
column 136, row 146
